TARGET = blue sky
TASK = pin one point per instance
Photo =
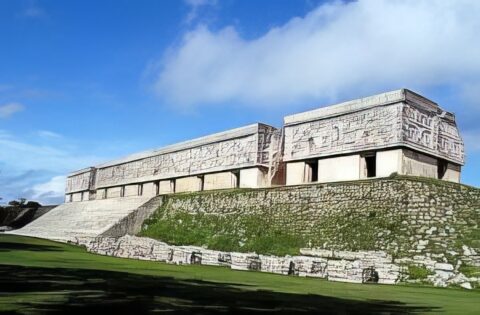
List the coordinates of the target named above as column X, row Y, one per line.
column 83, row 82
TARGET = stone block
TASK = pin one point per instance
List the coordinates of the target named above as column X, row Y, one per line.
column 188, row 184
column 114, row 192
column 76, row 197
column 339, row 168
column 223, row 180
column 166, row 187
column 295, row 173
column 149, row 189
column 253, row 178
column 131, row 190
column 388, row 162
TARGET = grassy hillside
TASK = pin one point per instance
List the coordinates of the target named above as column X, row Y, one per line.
column 39, row 276
column 391, row 214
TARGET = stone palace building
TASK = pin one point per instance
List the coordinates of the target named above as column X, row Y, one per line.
column 394, row 132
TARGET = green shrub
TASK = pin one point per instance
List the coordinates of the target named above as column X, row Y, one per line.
column 470, row 271
column 418, row 272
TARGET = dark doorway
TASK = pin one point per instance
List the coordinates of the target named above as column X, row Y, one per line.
column 196, row 258
column 442, row 166
column 311, row 171
column 291, row 269
column 371, row 165
column 237, row 178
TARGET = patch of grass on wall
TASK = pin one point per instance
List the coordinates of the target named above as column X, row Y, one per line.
column 470, row 271
column 247, row 233
column 418, row 272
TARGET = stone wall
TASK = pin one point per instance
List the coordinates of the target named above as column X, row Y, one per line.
column 372, row 128
column 249, row 148
column 432, row 132
column 132, row 223
column 398, row 118
column 343, row 266
column 231, row 153
column 404, row 216
column 81, row 180
column 331, row 265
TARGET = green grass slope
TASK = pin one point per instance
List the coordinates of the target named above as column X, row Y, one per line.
column 389, row 214
column 40, row 276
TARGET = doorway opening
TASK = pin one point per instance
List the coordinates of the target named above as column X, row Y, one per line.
column 368, row 165
column 236, row 174
column 371, row 165
column 202, row 182
column 311, row 171
column 442, row 166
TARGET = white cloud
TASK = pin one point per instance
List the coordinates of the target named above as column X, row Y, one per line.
column 9, row 109
column 347, row 49
column 54, row 189
column 34, row 170
column 48, row 134
column 22, row 155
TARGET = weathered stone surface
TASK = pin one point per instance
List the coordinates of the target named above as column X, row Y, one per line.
column 403, row 215
column 397, row 118
column 87, row 218
column 81, row 180
column 350, row 269
column 343, row 266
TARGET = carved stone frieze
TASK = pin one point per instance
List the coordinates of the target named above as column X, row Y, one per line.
column 363, row 130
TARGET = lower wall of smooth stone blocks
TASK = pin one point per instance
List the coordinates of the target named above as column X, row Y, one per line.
column 342, row 266
column 334, row 266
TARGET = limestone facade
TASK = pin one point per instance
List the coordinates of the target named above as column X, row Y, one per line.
column 394, row 132
column 230, row 159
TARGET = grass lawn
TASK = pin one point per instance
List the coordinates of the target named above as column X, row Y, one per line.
column 40, row 276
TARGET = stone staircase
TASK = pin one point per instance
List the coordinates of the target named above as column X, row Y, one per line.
column 83, row 219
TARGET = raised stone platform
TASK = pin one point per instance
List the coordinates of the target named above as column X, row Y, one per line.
column 87, row 218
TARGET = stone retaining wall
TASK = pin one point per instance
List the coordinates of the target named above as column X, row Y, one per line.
column 404, row 216
column 343, row 266
column 331, row 265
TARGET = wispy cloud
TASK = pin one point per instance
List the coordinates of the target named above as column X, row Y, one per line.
column 195, row 6
column 34, row 170
column 9, row 109
column 50, row 192
column 339, row 48
column 33, row 10
column 48, row 134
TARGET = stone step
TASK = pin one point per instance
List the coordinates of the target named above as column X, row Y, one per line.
column 86, row 218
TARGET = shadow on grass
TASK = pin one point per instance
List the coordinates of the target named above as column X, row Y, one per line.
column 6, row 246
column 79, row 291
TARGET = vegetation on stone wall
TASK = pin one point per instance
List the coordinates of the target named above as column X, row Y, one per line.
column 404, row 216
column 231, row 232
column 418, row 272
